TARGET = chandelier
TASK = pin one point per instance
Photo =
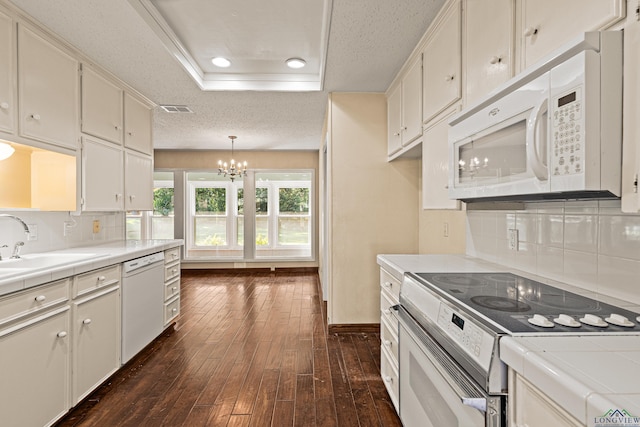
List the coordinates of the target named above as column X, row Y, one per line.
column 232, row 169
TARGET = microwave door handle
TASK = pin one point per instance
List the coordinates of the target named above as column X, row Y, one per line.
column 534, row 142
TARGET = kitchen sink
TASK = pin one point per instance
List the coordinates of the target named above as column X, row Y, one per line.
column 38, row 261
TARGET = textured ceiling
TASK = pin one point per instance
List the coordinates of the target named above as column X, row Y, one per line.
column 369, row 40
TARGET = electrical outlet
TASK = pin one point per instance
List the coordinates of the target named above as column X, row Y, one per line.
column 513, row 239
column 96, row 226
column 445, row 231
column 33, row 232
column 66, row 228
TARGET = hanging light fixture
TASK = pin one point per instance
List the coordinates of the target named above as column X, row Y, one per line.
column 6, row 150
column 232, row 169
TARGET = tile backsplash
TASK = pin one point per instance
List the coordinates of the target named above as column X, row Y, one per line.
column 588, row 244
column 51, row 230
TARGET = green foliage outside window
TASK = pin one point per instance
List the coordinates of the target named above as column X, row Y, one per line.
column 162, row 201
column 211, row 201
column 294, row 200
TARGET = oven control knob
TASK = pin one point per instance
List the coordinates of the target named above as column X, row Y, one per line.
column 566, row 320
column 593, row 320
column 540, row 320
column 619, row 320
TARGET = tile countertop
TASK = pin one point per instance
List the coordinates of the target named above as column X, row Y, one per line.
column 586, row 375
column 97, row 257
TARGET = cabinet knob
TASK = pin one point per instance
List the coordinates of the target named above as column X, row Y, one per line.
column 117, row 127
column 386, row 311
column 35, row 116
column 396, row 134
column 130, row 133
column 40, row 298
column 62, row 334
column 530, row 31
column 495, row 60
column 388, row 379
column 131, row 197
column 4, row 105
column 118, row 196
column 174, row 270
column 101, row 278
column 86, row 321
column 387, row 284
column 450, row 78
column 174, row 288
column 387, row 343
column 174, row 310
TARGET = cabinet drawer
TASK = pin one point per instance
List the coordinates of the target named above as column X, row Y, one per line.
column 171, row 255
column 389, row 339
column 171, row 310
column 171, row 272
column 96, row 279
column 171, row 289
column 389, row 375
column 386, row 312
column 390, row 284
column 33, row 300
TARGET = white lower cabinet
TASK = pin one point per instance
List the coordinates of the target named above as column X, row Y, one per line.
column 96, row 340
column 529, row 406
column 389, row 294
column 34, row 369
column 171, row 285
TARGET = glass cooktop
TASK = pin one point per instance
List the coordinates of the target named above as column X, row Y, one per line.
column 512, row 302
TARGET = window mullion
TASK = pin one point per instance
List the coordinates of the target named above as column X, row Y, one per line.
column 249, row 185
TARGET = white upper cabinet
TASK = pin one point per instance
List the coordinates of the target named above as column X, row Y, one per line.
column 412, row 103
column 7, row 75
column 101, row 107
column 488, row 39
column 631, row 124
column 138, row 184
column 435, row 165
column 404, row 109
column 137, row 125
column 48, row 91
column 394, row 120
column 546, row 25
column 442, row 62
column 102, row 176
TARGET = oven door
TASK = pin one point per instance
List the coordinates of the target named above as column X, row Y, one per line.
column 434, row 391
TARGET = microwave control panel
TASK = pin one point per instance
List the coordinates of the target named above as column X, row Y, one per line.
column 567, row 135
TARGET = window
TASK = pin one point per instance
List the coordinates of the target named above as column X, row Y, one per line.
column 286, row 217
column 213, row 219
column 158, row 224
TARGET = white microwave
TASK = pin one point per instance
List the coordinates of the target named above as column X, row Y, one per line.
column 552, row 132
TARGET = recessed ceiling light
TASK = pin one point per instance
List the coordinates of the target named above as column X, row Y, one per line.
column 295, row 63
column 219, row 61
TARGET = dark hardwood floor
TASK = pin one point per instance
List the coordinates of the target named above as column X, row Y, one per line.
column 249, row 349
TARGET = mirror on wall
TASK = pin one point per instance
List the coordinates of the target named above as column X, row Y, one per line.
column 36, row 178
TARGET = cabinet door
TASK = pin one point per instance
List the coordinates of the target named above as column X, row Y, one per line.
column 101, row 107
column 435, row 167
column 138, row 175
column 7, row 64
column 96, row 340
column 394, row 120
column 489, row 46
column 47, row 90
column 102, row 176
column 630, row 125
column 412, row 103
column 137, row 125
column 34, row 368
column 442, row 64
column 548, row 24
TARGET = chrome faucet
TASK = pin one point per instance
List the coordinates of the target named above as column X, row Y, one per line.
column 24, row 224
column 16, row 250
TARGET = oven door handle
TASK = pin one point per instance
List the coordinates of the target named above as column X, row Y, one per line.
column 478, row 403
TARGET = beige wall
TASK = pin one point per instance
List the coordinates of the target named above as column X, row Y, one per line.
column 431, row 229
column 373, row 205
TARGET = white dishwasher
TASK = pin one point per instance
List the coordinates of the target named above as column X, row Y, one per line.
column 142, row 303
